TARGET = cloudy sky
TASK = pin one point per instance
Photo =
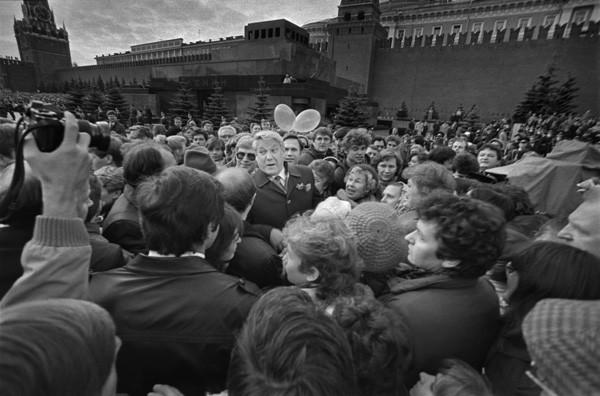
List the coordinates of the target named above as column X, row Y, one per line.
column 99, row 27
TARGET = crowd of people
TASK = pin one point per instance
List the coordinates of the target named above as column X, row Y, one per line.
column 188, row 258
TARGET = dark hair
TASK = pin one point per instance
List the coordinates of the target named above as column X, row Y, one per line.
column 114, row 150
column 290, row 347
column 322, row 131
column 467, row 230
column 386, row 154
column 441, row 154
column 341, row 132
column 356, row 138
column 495, row 198
column 238, row 187
column 142, row 161
column 231, row 224
column 95, row 194
column 177, row 207
column 199, row 131
column 550, row 270
column 465, row 163
column 55, row 347
column 7, row 140
column 393, row 138
column 215, row 142
column 377, row 138
column 29, row 201
column 381, row 343
column 418, row 139
column 294, row 137
column 518, row 195
column 324, row 169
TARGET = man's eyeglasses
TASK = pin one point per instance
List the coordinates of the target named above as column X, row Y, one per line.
column 241, row 156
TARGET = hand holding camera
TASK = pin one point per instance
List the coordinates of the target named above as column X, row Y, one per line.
column 63, row 172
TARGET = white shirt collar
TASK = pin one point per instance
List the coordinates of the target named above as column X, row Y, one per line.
column 282, row 174
column 153, row 253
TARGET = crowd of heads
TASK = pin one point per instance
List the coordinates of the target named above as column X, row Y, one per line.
column 394, row 213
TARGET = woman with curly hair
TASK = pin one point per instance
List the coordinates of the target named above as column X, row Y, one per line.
column 321, row 257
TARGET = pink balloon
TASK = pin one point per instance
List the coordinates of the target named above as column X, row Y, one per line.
column 284, row 117
column 307, row 121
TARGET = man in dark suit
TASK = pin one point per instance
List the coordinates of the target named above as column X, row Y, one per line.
column 283, row 189
column 254, row 259
column 114, row 124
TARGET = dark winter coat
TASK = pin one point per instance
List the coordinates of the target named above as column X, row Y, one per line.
column 449, row 318
column 177, row 318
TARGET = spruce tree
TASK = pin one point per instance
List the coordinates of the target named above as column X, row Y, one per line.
column 100, row 83
column 540, row 97
column 565, row 94
column 402, row 112
column 93, row 100
column 352, row 111
column 75, row 97
column 135, row 82
column 114, row 99
column 184, row 102
column 149, row 80
column 261, row 109
column 215, row 108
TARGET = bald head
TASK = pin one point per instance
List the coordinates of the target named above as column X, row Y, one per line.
column 238, row 188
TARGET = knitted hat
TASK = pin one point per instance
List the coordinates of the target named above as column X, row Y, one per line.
column 379, row 237
column 332, row 206
column 563, row 338
column 199, row 158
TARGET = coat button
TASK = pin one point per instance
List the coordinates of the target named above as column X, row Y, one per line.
column 289, row 202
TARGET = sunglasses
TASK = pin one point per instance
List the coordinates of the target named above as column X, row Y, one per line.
column 241, row 156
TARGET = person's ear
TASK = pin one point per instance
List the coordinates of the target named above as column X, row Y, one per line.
column 109, row 158
column 313, row 274
column 450, row 263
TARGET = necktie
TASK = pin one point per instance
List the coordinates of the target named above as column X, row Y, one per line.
column 279, row 181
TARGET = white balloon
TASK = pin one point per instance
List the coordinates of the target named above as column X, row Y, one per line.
column 307, row 121
column 284, row 117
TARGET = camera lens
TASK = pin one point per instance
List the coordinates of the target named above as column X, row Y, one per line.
column 99, row 134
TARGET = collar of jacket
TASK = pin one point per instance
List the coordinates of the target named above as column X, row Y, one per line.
column 262, row 178
column 400, row 285
column 174, row 266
